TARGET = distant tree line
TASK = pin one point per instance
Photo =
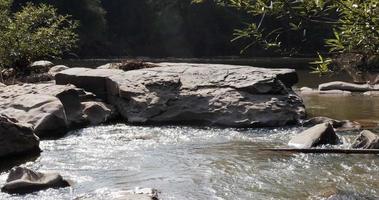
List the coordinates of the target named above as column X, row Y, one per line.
column 165, row 28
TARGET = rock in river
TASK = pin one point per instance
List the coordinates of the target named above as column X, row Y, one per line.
column 352, row 87
column 226, row 95
column 51, row 109
column 366, row 140
column 16, row 138
column 22, row 181
column 315, row 136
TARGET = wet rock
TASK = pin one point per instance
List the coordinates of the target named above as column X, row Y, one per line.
column 317, row 135
column 339, row 85
column 140, row 194
column 310, row 91
column 226, row 95
column 96, row 112
column 338, row 124
column 22, row 181
column 366, row 140
column 16, row 138
column 58, row 68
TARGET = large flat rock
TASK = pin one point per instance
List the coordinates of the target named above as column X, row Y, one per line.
column 227, row 95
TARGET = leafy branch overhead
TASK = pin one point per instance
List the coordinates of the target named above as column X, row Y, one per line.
column 277, row 24
column 35, row 32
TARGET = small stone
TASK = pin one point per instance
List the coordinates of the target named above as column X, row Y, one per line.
column 22, row 180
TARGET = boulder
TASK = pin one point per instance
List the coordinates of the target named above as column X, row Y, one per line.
column 225, row 95
column 139, row 194
column 41, row 66
column 339, row 85
column 16, row 138
column 96, row 112
column 317, row 135
column 366, row 140
column 51, row 109
column 22, row 181
column 58, row 68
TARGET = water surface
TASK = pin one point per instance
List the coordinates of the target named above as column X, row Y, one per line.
column 197, row 163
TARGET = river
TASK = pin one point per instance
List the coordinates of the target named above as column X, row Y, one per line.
column 209, row 163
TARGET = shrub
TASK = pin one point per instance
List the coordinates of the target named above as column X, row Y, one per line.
column 34, row 32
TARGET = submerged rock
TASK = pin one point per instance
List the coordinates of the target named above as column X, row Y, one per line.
column 339, row 85
column 226, row 95
column 139, row 194
column 22, row 181
column 16, row 138
column 317, row 135
column 366, row 140
column 338, row 124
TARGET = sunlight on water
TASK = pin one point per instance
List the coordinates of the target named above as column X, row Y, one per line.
column 198, row 163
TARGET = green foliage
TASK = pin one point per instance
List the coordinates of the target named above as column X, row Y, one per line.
column 323, row 66
column 279, row 24
column 90, row 14
column 35, row 32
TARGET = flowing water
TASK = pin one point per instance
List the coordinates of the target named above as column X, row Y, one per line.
column 198, row 163
column 210, row 163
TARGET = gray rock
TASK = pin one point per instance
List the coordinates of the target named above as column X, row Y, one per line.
column 58, row 68
column 226, row 95
column 366, row 140
column 22, row 181
column 339, row 85
column 317, row 135
column 41, row 66
column 310, row 91
column 16, row 138
column 96, row 112
column 51, row 109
